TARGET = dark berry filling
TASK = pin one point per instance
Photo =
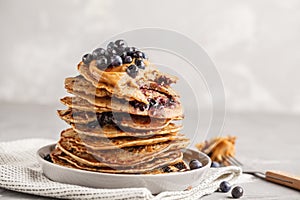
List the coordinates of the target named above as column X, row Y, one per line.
column 106, row 118
column 157, row 103
column 180, row 166
column 163, row 80
column 139, row 105
column 167, row 169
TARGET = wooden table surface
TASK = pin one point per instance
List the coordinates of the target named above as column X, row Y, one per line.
column 266, row 141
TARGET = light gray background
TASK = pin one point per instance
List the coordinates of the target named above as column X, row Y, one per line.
column 254, row 44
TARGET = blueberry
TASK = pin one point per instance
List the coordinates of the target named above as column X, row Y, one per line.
column 167, row 169
column 105, row 118
column 132, row 71
column 215, row 164
column 87, row 58
column 123, row 54
column 140, row 64
column 138, row 54
column 111, row 48
column 144, row 55
column 128, row 59
column 225, row 186
column 121, row 44
column 237, row 192
column 141, row 106
column 130, row 49
column 111, row 45
column 101, row 63
column 116, row 60
column 152, row 103
column 195, row 164
column 48, row 158
column 98, row 52
column 112, row 51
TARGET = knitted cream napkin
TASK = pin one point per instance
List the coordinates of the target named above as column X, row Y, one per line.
column 20, row 171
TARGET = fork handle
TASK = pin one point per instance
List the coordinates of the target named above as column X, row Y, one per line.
column 283, row 179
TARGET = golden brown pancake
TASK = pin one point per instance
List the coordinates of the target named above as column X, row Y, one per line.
column 111, row 131
column 97, row 104
column 116, row 143
column 173, row 157
column 121, row 120
column 122, row 156
column 80, row 84
column 125, row 86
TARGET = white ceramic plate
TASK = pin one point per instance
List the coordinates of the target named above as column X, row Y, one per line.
column 155, row 183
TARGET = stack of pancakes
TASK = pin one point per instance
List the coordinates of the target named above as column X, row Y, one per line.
column 120, row 123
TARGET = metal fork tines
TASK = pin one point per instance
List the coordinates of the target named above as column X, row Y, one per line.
column 282, row 178
column 246, row 169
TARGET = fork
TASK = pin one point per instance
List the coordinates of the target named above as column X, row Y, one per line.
column 281, row 178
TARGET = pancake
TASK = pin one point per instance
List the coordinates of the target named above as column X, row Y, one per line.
column 122, row 120
column 121, row 84
column 121, row 116
column 98, row 104
column 111, row 131
column 76, row 116
column 180, row 166
column 118, row 157
column 79, row 84
column 174, row 157
column 116, row 143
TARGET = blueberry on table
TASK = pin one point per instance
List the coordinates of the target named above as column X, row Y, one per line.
column 140, row 64
column 98, row 52
column 237, row 192
column 101, row 63
column 225, row 186
column 48, row 158
column 128, row 59
column 132, row 71
column 195, row 164
column 215, row 164
column 116, row 60
column 87, row 58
